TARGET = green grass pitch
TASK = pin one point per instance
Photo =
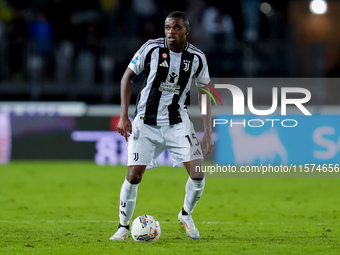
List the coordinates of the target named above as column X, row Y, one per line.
column 72, row 208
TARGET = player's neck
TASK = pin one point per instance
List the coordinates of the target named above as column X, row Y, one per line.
column 177, row 48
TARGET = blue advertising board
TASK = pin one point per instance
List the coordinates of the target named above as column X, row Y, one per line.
column 298, row 139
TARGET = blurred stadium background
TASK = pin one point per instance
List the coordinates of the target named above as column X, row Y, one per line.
column 61, row 62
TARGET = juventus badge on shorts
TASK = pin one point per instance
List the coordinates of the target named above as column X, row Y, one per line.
column 135, row 156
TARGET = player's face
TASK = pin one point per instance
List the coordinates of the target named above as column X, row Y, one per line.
column 176, row 31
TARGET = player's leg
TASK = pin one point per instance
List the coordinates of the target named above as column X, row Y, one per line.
column 193, row 191
column 142, row 149
column 194, row 186
column 195, row 183
column 185, row 148
column 128, row 197
column 128, row 193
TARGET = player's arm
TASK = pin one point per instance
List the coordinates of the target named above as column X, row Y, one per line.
column 124, row 126
column 207, row 141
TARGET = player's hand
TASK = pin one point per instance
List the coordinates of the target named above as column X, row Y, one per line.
column 207, row 143
column 125, row 127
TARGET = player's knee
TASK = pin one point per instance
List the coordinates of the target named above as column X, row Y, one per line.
column 134, row 178
column 197, row 176
column 194, row 169
column 135, row 174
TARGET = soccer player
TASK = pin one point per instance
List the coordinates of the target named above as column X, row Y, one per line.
column 161, row 121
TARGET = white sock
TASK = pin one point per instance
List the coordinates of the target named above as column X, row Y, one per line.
column 128, row 196
column 194, row 190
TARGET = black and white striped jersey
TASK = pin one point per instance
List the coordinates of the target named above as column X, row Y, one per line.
column 167, row 79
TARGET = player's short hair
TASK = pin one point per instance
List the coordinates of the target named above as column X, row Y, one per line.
column 179, row 14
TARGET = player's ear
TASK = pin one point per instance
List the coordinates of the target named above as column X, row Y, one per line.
column 188, row 31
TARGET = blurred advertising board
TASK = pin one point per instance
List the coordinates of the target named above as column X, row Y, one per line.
column 69, row 138
column 256, row 140
column 5, row 138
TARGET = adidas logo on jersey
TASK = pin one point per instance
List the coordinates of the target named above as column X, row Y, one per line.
column 197, row 152
column 164, row 64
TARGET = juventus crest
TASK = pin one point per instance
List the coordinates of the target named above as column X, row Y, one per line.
column 186, row 64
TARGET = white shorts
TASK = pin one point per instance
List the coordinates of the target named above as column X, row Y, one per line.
column 147, row 142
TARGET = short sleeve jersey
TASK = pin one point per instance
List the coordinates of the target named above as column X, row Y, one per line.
column 167, row 79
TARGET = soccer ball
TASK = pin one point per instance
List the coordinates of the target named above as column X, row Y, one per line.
column 145, row 228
